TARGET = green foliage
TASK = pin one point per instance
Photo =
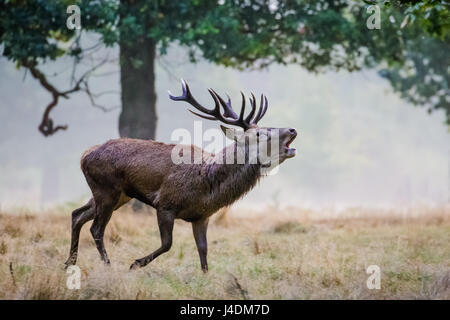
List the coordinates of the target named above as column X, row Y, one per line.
column 412, row 44
column 432, row 15
column 29, row 29
column 422, row 76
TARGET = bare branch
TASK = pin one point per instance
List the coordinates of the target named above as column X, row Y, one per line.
column 105, row 74
column 92, row 97
column 46, row 127
column 167, row 68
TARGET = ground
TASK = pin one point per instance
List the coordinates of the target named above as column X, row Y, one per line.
column 269, row 254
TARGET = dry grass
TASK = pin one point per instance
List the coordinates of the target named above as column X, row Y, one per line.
column 289, row 254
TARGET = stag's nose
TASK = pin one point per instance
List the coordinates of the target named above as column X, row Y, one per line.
column 293, row 131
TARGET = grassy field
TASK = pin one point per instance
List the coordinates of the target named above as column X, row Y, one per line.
column 275, row 254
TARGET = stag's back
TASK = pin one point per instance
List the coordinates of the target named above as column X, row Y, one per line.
column 128, row 162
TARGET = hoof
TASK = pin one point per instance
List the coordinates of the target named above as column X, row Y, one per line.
column 136, row 265
column 68, row 263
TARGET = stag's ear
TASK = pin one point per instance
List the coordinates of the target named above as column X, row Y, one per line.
column 232, row 134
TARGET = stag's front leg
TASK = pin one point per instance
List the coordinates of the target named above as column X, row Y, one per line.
column 165, row 223
column 199, row 228
column 79, row 217
column 103, row 214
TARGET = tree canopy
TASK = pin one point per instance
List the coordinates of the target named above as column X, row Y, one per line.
column 410, row 49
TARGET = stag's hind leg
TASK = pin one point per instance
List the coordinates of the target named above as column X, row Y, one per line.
column 79, row 217
column 106, row 202
column 165, row 224
column 199, row 229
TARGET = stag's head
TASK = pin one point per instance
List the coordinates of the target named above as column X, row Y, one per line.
column 268, row 145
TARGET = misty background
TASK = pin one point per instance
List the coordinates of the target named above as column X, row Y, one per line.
column 359, row 143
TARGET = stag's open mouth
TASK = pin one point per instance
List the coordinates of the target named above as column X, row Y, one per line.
column 290, row 152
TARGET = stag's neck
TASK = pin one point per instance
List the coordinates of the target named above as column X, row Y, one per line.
column 230, row 181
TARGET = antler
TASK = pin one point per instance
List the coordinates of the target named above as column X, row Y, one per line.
column 228, row 116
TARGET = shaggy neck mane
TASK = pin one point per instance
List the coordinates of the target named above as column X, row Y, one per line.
column 229, row 182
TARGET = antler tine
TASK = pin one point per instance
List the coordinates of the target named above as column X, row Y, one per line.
column 229, row 112
column 228, row 116
column 266, row 106
column 188, row 97
column 252, row 113
column 237, row 121
column 258, row 115
column 228, row 109
column 241, row 116
column 216, row 111
column 185, row 92
column 203, row 116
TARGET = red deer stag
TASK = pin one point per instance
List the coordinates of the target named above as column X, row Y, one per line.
column 122, row 169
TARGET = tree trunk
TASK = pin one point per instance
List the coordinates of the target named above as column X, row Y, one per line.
column 137, row 75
